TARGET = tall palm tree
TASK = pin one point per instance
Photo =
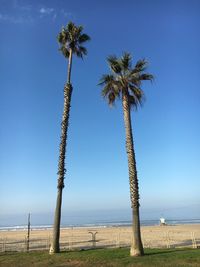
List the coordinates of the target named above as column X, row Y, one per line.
column 71, row 40
column 124, row 82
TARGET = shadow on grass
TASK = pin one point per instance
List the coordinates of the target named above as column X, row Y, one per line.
column 147, row 253
column 166, row 252
column 85, row 249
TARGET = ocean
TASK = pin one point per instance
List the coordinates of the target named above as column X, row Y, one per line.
column 98, row 224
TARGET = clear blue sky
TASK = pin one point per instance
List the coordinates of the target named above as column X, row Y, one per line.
column 166, row 129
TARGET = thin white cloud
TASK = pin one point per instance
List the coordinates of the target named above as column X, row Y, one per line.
column 12, row 19
column 65, row 13
column 53, row 13
column 18, row 14
column 46, row 10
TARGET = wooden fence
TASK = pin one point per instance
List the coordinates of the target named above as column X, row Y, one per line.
column 98, row 238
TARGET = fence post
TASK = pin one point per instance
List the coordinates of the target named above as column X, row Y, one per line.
column 93, row 238
column 48, row 242
column 167, row 239
column 71, row 242
column 143, row 242
column 1, row 245
column 28, row 233
column 194, row 243
column 4, row 244
column 25, row 243
column 118, row 240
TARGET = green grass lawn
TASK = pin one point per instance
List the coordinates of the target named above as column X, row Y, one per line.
column 104, row 257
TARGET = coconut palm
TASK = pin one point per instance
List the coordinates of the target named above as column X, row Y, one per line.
column 71, row 40
column 124, row 82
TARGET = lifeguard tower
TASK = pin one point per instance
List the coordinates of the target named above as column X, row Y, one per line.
column 162, row 221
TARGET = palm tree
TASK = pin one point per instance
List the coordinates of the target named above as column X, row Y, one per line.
column 124, row 83
column 71, row 41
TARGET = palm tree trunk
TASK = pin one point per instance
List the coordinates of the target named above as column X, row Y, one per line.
column 55, row 247
column 136, row 244
column 69, row 67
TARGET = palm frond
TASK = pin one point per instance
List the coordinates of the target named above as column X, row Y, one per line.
column 83, row 38
column 146, row 77
column 63, row 37
column 83, row 50
column 80, row 51
column 114, row 64
column 111, row 90
column 134, row 78
column 136, row 91
column 60, row 37
column 132, row 102
column 105, row 79
column 136, row 95
column 111, row 98
column 64, row 51
column 79, row 30
column 126, row 61
column 141, row 65
column 105, row 91
column 70, row 27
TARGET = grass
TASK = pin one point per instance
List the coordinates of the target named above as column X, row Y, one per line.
column 104, row 258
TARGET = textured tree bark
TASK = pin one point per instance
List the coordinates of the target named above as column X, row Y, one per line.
column 55, row 247
column 69, row 67
column 136, row 244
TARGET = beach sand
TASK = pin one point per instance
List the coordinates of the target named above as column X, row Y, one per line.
column 187, row 235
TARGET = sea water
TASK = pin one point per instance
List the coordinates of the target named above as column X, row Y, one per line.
column 101, row 224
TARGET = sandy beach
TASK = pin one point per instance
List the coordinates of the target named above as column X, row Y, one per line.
column 187, row 235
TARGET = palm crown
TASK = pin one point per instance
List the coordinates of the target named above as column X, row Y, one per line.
column 72, row 38
column 125, row 79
